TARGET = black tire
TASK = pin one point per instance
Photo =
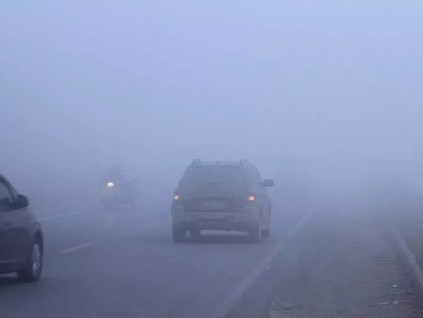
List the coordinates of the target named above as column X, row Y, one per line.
column 178, row 233
column 195, row 235
column 34, row 265
column 267, row 231
column 255, row 234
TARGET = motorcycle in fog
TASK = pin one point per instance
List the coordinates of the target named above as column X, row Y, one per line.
column 117, row 195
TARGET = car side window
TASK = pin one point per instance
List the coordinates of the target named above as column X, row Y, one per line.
column 5, row 195
column 255, row 176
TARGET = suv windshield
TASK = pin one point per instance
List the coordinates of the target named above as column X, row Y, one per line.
column 216, row 174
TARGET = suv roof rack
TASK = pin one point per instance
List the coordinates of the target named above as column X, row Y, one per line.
column 196, row 161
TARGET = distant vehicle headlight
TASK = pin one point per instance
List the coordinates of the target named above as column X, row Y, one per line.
column 110, row 184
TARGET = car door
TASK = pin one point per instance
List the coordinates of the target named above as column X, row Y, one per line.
column 15, row 233
column 5, row 241
column 261, row 192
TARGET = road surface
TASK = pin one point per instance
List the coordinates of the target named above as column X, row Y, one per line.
column 127, row 266
column 99, row 265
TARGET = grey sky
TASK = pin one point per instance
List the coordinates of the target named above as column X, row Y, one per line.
column 147, row 83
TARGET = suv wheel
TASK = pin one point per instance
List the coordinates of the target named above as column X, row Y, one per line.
column 178, row 233
column 266, row 232
column 34, row 265
column 256, row 232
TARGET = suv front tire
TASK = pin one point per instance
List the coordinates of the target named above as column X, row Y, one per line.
column 256, row 232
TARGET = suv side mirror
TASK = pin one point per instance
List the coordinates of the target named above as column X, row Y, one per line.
column 268, row 183
column 21, row 202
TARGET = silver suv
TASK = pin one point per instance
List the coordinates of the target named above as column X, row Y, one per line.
column 221, row 196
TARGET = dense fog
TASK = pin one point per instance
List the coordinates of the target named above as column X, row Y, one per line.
column 106, row 107
column 330, row 90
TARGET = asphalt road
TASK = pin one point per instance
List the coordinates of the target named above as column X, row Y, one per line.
column 126, row 265
column 342, row 263
column 332, row 263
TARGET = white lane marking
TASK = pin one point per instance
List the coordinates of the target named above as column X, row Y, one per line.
column 224, row 308
column 61, row 216
column 409, row 257
column 75, row 248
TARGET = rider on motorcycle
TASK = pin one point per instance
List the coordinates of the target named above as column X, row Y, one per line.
column 116, row 189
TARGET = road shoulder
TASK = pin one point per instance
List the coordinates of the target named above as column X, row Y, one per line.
column 342, row 264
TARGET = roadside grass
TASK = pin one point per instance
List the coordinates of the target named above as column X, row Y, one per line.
column 410, row 225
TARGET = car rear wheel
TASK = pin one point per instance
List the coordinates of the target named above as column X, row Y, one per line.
column 34, row 265
column 256, row 233
column 266, row 232
column 178, row 233
column 195, row 235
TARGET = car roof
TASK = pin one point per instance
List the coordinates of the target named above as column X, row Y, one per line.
column 201, row 163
